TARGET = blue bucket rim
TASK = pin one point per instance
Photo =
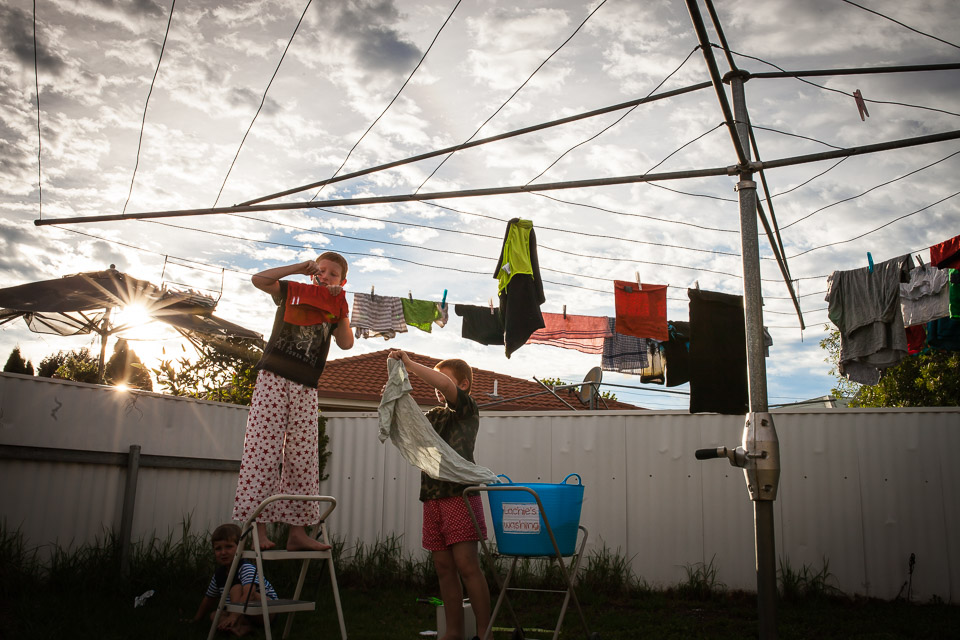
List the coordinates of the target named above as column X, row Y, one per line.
column 562, row 482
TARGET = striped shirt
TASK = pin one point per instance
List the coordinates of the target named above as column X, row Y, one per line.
column 246, row 574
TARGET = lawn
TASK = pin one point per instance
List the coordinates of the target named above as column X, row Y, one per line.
column 80, row 595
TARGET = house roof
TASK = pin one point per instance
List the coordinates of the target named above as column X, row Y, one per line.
column 356, row 382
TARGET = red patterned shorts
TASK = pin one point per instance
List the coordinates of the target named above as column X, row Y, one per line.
column 446, row 521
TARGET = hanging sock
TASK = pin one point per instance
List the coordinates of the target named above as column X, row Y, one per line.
column 641, row 312
column 676, row 354
column 519, row 285
column 718, row 353
column 377, row 316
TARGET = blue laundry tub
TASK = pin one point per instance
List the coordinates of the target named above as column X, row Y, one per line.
column 518, row 524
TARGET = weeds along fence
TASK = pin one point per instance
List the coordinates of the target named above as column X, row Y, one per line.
column 860, row 490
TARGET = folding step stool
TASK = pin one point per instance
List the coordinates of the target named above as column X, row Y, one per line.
column 265, row 606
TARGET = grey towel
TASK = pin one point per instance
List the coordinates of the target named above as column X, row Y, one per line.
column 409, row 430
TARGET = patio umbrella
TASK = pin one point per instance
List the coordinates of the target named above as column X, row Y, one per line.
column 82, row 303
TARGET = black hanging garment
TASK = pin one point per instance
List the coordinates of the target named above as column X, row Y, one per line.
column 718, row 353
column 676, row 353
column 480, row 324
column 520, row 287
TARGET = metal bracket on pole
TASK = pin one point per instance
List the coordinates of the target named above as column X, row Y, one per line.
column 761, row 468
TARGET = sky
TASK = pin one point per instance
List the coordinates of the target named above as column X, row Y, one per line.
column 212, row 132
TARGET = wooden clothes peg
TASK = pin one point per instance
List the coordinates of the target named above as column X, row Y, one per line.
column 410, row 293
column 371, row 290
column 564, row 312
column 491, row 306
column 637, row 276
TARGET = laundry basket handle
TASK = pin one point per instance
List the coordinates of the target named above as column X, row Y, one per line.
column 502, row 475
column 579, row 481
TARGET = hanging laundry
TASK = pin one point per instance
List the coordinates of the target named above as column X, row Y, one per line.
column 377, row 316
column 925, row 296
column 422, row 314
column 641, row 312
column 411, row 432
column 630, row 354
column 718, row 353
column 676, row 354
column 582, row 333
column 946, row 254
column 916, row 339
column 953, row 295
column 479, row 324
column 519, row 284
column 944, row 334
column 865, row 307
column 767, row 343
column 310, row 304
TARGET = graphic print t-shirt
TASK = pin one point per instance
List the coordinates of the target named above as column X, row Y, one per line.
column 295, row 352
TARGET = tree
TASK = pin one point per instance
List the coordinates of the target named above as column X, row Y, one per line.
column 223, row 373
column 556, row 382
column 930, row 379
column 124, row 367
column 16, row 363
column 78, row 365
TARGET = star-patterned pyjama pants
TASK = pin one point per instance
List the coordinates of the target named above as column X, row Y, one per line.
column 280, row 452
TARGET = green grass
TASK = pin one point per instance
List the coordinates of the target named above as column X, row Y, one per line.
column 79, row 594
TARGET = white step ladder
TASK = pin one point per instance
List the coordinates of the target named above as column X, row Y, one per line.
column 265, row 606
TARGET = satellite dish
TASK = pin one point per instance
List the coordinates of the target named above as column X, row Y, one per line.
column 588, row 390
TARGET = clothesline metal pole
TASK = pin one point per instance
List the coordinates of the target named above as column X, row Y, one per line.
column 759, row 454
column 765, row 539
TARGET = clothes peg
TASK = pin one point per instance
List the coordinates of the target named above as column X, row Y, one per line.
column 696, row 285
column 861, row 105
column 491, row 306
column 869, row 262
column 920, row 260
column 637, row 275
column 564, row 312
column 371, row 290
column 443, row 302
column 410, row 293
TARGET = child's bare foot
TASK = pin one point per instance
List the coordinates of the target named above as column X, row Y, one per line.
column 265, row 542
column 298, row 540
column 242, row 627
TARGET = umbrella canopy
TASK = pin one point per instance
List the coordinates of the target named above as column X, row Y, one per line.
column 81, row 304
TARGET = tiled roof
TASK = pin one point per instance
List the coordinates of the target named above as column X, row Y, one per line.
column 361, row 378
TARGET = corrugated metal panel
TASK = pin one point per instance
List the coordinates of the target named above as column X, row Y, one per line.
column 862, row 489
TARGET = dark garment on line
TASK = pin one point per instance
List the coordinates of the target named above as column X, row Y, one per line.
column 944, row 334
column 521, row 299
column 479, row 324
column 676, row 354
column 946, row 254
column 718, row 353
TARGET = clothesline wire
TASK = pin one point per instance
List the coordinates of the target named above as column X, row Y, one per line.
column 792, row 135
column 844, row 93
column 882, row 184
column 262, row 101
column 518, row 89
column 36, row 80
column 806, row 182
column 143, row 122
column 902, row 24
column 618, row 120
column 886, row 224
column 394, row 99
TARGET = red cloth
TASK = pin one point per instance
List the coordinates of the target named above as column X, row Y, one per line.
column 583, row 333
column 916, row 338
column 641, row 312
column 946, row 254
column 310, row 304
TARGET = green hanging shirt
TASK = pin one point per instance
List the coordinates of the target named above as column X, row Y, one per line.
column 516, row 253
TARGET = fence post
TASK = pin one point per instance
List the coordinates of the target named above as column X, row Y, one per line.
column 129, row 504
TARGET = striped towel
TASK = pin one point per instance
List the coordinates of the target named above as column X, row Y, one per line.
column 583, row 333
column 375, row 316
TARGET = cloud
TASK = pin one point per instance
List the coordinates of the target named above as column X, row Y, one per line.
column 16, row 30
